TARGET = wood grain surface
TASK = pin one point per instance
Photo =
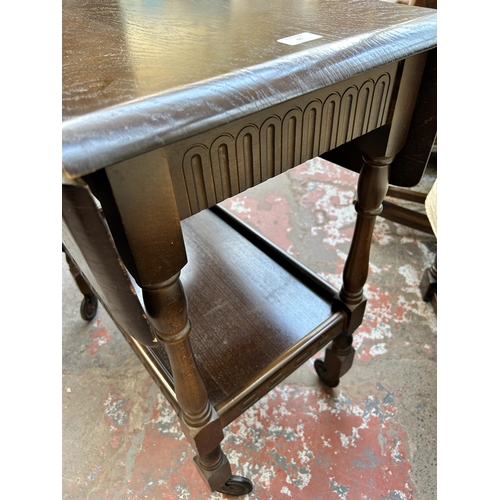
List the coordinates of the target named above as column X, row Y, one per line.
column 250, row 316
column 137, row 76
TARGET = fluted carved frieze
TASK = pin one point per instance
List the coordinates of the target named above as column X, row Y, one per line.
column 226, row 161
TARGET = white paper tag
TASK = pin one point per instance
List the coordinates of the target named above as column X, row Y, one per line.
column 300, row 38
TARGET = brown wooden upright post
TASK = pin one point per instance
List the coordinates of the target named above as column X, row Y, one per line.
column 379, row 149
column 372, row 187
column 138, row 199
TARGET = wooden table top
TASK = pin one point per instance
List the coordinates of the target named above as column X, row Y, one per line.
column 141, row 75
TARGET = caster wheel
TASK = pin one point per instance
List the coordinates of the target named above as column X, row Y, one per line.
column 236, row 485
column 319, row 366
column 88, row 308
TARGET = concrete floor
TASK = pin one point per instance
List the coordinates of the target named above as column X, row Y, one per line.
column 375, row 440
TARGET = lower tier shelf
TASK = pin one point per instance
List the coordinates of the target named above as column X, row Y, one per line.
column 255, row 319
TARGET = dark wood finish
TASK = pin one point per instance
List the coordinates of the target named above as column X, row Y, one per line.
column 160, row 127
column 134, row 85
column 417, row 153
column 88, row 307
column 80, row 281
column 411, row 161
column 244, row 301
column 150, row 222
column 406, row 194
column 378, row 149
column 405, row 216
column 373, row 183
column 372, row 188
column 87, row 239
column 154, row 239
column 229, row 159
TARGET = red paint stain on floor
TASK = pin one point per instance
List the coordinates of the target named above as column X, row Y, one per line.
column 99, row 337
column 374, row 335
column 116, row 414
column 321, row 445
column 322, row 170
column 163, row 467
column 294, row 443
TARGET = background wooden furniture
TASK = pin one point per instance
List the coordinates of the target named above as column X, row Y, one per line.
column 397, row 213
column 170, row 109
column 408, row 217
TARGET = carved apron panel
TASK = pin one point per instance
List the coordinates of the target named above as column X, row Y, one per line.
column 210, row 167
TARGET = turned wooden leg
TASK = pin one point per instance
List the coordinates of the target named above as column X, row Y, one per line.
column 379, row 148
column 372, row 187
column 148, row 235
column 167, row 310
